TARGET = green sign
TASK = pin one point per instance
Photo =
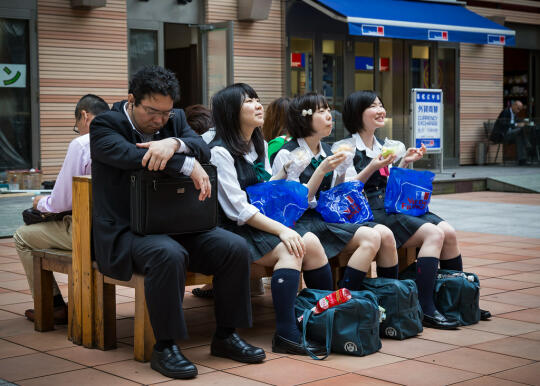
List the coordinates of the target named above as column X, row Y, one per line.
column 12, row 75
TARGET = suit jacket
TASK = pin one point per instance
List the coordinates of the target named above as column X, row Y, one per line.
column 502, row 124
column 114, row 157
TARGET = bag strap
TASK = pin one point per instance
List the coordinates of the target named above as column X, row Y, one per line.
column 329, row 329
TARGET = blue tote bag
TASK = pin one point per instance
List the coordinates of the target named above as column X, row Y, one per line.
column 283, row 201
column 408, row 191
column 344, row 203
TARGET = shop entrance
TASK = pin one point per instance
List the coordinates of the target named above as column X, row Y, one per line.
column 15, row 101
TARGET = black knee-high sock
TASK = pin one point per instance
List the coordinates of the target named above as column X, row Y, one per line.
column 319, row 278
column 284, row 287
column 389, row 272
column 163, row 344
column 426, row 271
column 352, row 278
column 455, row 264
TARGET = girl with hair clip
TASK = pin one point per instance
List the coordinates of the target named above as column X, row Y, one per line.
column 240, row 155
column 309, row 122
column 363, row 113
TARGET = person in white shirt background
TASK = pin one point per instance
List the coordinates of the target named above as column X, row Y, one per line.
column 57, row 234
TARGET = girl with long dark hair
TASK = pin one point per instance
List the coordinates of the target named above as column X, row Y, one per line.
column 240, row 154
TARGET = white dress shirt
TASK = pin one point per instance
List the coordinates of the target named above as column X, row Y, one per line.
column 232, row 198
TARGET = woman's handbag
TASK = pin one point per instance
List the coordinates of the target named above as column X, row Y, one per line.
column 34, row 216
column 408, row 191
column 161, row 204
column 349, row 328
column 456, row 294
column 399, row 298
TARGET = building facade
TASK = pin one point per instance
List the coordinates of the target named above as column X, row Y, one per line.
column 54, row 51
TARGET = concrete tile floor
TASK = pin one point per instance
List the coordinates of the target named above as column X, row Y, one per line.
column 503, row 351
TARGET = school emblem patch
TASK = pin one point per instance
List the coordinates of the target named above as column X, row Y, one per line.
column 350, row 347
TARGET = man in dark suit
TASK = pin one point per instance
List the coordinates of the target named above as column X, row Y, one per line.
column 507, row 129
column 145, row 131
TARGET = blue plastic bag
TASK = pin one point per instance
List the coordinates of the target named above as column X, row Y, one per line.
column 408, row 191
column 345, row 203
column 281, row 200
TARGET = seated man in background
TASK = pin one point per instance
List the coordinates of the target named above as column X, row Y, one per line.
column 508, row 129
column 57, row 234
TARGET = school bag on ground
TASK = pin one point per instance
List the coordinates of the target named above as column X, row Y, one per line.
column 400, row 300
column 456, row 294
column 348, row 328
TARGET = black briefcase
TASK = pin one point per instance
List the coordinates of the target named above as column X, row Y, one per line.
column 161, row 204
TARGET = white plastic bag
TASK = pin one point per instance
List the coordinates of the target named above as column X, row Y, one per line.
column 391, row 146
column 348, row 146
column 298, row 160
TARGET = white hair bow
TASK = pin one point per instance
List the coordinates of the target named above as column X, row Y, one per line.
column 307, row 112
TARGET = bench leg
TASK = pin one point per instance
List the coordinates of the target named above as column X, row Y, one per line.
column 104, row 313
column 43, row 297
column 71, row 307
column 143, row 334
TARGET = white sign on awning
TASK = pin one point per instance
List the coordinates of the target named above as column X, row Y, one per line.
column 12, row 75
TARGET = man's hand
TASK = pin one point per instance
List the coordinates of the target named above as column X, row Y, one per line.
column 201, row 181
column 36, row 200
column 159, row 153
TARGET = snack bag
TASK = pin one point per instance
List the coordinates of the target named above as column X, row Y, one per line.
column 299, row 160
column 281, row 200
column 348, row 146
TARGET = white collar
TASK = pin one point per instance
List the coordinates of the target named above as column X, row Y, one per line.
column 360, row 145
column 132, row 125
column 302, row 142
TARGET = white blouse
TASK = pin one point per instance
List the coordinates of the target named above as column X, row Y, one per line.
column 231, row 197
column 371, row 153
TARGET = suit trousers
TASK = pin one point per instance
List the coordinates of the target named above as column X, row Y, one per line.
column 517, row 135
column 164, row 260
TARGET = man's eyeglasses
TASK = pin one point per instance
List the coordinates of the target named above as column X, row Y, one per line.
column 154, row 112
column 76, row 129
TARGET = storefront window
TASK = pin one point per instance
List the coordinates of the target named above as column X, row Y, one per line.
column 386, row 86
column 301, row 66
column 143, row 49
column 332, row 83
column 363, row 66
column 15, row 114
column 217, row 61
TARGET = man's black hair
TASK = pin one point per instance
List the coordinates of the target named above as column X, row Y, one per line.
column 91, row 104
column 154, row 80
column 226, row 106
column 299, row 125
column 354, row 108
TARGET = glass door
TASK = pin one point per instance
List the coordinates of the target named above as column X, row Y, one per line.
column 446, row 81
column 15, row 101
column 332, row 84
column 217, row 56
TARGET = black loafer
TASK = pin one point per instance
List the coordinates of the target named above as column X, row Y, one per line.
column 485, row 314
column 439, row 321
column 285, row 346
column 237, row 349
column 171, row 363
column 206, row 294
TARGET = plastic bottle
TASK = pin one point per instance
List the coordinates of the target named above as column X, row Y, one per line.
column 340, row 296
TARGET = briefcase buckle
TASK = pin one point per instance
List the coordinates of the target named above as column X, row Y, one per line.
column 180, row 190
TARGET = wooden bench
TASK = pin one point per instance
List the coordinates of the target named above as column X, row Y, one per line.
column 92, row 296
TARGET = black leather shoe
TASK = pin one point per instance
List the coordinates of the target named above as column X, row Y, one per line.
column 439, row 321
column 237, row 349
column 171, row 363
column 285, row 346
column 485, row 314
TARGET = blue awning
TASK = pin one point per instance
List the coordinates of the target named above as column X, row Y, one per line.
column 404, row 19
